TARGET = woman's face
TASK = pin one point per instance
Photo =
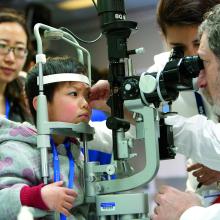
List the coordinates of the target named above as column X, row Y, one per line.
column 184, row 36
column 13, row 46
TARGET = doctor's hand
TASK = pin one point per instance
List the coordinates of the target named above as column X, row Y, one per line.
column 172, row 203
column 99, row 95
column 58, row 198
column 204, row 175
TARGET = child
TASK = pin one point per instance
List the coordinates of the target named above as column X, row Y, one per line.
column 20, row 167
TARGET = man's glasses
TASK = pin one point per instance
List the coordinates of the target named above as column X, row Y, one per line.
column 19, row 52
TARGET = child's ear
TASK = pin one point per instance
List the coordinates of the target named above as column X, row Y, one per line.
column 34, row 103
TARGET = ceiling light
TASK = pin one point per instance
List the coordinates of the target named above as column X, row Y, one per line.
column 75, row 4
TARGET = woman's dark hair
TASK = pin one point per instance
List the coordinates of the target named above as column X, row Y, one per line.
column 182, row 12
column 15, row 90
column 53, row 65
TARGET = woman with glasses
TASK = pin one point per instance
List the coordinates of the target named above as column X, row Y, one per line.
column 14, row 44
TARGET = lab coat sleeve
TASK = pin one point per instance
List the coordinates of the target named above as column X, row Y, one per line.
column 200, row 213
column 197, row 138
column 102, row 139
column 160, row 61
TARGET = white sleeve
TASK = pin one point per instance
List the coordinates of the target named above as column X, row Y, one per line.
column 103, row 136
column 197, row 138
column 160, row 61
column 200, row 213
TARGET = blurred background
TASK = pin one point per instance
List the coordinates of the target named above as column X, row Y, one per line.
column 80, row 17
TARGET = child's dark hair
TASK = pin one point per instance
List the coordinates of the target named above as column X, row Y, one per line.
column 52, row 66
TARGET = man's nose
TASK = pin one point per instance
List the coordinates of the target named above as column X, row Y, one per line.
column 201, row 81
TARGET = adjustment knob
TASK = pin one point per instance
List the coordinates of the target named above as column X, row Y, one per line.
column 131, row 88
column 147, row 83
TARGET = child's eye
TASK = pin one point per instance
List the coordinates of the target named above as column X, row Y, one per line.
column 73, row 93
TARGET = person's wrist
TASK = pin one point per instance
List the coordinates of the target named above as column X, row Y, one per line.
column 31, row 196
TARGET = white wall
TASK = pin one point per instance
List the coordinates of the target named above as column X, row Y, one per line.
column 147, row 36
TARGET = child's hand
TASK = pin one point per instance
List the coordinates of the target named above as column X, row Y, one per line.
column 58, row 198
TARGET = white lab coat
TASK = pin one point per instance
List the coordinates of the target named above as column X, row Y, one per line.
column 200, row 213
column 199, row 139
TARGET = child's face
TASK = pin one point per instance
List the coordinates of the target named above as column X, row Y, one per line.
column 70, row 103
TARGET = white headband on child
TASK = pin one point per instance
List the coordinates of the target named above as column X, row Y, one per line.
column 65, row 77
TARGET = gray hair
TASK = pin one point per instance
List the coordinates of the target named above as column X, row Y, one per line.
column 211, row 26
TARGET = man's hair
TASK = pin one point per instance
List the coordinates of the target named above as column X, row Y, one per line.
column 211, row 26
column 53, row 65
column 182, row 12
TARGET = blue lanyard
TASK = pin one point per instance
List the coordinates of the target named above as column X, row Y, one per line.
column 200, row 104
column 56, row 165
column 7, row 108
